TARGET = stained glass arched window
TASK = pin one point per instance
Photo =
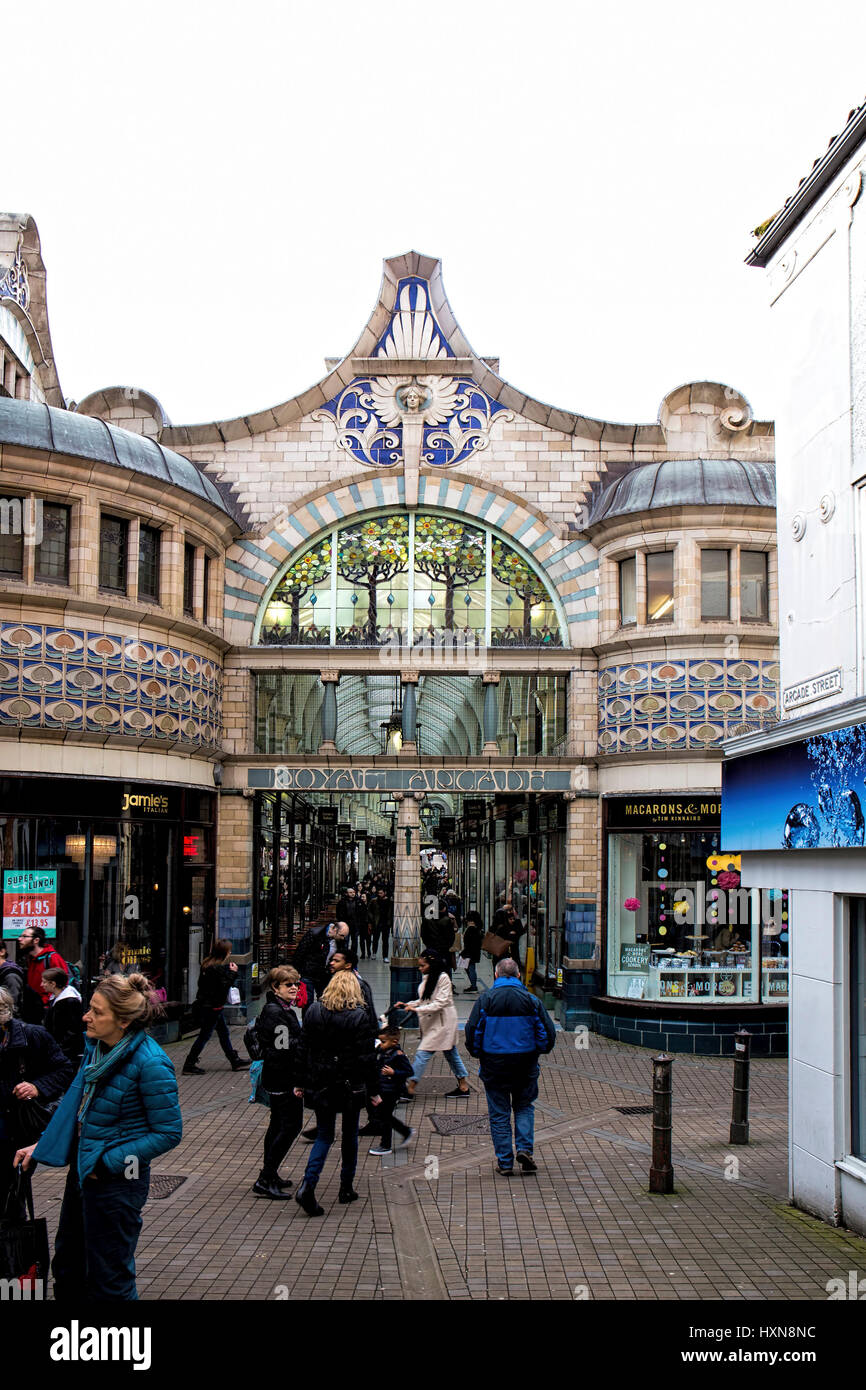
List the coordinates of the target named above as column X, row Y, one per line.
column 425, row 573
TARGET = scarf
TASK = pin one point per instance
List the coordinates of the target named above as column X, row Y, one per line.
column 99, row 1068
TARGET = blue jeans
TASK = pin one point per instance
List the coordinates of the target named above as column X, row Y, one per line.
column 348, row 1105
column 94, row 1249
column 213, row 1019
column 453, row 1058
column 472, row 973
column 503, row 1096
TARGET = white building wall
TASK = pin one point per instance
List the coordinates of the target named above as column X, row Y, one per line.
column 810, row 286
column 823, row 1177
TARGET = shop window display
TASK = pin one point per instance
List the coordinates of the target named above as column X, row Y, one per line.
column 682, row 927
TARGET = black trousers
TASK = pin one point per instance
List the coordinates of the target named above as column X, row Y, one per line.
column 287, row 1118
column 383, row 931
column 384, row 1115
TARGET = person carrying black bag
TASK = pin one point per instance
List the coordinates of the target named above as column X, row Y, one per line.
column 33, row 1076
column 23, row 1239
column 214, row 984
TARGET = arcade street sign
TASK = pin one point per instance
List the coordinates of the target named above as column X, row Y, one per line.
column 428, row 779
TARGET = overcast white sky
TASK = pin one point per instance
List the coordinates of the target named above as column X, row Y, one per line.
column 216, row 185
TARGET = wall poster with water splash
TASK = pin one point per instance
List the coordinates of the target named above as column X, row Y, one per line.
column 807, row 795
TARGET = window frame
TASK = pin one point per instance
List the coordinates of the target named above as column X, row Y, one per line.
column 124, row 523
column 412, row 580
column 142, row 593
column 669, row 617
column 54, row 578
column 188, row 585
column 6, row 535
column 623, row 620
column 748, row 550
column 717, row 617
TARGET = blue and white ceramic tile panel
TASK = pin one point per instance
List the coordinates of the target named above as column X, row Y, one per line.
column 105, row 683
column 412, row 329
column 367, row 419
column 690, row 703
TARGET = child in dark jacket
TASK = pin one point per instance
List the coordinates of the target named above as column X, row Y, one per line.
column 394, row 1069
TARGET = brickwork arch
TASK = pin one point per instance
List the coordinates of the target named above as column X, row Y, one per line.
column 569, row 566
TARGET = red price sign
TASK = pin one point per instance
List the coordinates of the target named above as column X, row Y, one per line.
column 29, row 900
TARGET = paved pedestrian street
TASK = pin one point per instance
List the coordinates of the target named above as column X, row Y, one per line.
column 436, row 1221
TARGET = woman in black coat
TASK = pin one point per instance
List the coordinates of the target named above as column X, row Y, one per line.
column 32, row 1068
column 339, row 1072
column 473, row 935
column 214, row 983
column 279, row 1035
column 508, row 925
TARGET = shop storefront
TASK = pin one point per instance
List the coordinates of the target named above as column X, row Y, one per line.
column 689, row 952
column 513, row 851
column 299, row 850
column 134, row 865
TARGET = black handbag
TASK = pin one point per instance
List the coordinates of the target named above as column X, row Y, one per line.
column 23, row 1239
column 31, row 1118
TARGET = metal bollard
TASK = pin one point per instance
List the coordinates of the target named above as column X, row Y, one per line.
column 740, row 1111
column 661, row 1171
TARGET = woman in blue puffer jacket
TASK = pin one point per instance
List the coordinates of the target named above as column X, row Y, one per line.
column 120, row 1112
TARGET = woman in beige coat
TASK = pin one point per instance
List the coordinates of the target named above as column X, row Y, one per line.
column 437, row 1019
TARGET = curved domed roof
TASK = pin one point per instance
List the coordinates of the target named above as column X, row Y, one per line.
column 36, row 426
column 687, row 483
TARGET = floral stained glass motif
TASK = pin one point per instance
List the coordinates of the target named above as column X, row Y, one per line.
column 372, row 561
column 286, row 622
column 451, row 556
column 427, row 577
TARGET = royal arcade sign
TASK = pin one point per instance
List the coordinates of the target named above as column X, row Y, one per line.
column 457, row 780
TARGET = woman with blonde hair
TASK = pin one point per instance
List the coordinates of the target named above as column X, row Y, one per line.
column 120, row 1112
column 337, row 1066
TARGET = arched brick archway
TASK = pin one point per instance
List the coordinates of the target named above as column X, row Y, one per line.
column 570, row 565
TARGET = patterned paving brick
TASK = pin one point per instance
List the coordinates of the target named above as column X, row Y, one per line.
column 585, row 1227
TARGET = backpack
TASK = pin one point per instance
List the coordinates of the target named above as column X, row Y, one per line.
column 30, row 1008
column 252, row 1041
column 72, row 971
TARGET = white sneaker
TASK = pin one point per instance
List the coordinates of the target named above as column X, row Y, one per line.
column 379, row 1152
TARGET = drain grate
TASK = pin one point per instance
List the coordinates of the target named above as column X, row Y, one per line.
column 460, row 1124
column 162, row 1185
column 633, row 1109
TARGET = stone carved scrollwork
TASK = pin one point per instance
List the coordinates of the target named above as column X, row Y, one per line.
column 14, row 283
column 360, row 429
column 368, row 415
column 736, row 418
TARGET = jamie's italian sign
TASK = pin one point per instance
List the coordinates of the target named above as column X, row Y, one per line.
column 29, row 900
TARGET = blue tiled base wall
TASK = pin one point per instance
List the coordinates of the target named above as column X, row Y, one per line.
column 578, row 987
column 404, row 985
column 769, row 1036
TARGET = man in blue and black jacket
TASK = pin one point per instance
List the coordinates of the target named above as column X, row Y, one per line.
column 507, row 1030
